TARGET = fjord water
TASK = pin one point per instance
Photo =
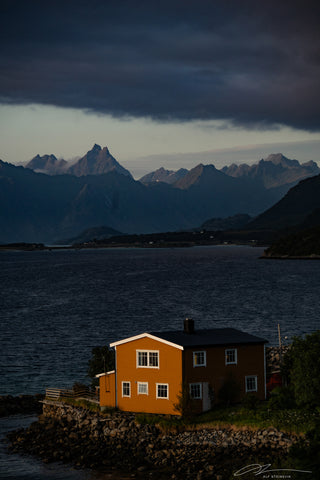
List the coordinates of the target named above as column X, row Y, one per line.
column 57, row 305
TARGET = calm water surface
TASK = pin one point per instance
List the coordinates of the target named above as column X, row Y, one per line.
column 56, row 306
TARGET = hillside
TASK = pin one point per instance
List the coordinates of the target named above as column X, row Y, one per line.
column 305, row 243
column 163, row 175
column 293, row 209
column 43, row 208
column 97, row 190
column 230, row 223
column 90, row 234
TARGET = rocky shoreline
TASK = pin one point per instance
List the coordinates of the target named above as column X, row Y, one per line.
column 69, row 434
column 117, row 442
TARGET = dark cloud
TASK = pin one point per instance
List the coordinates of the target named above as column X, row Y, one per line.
column 254, row 64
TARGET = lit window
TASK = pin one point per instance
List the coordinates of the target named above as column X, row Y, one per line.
column 195, row 391
column 162, row 390
column 148, row 358
column 126, row 389
column 199, row 359
column 251, row 383
column 142, row 388
column 231, row 356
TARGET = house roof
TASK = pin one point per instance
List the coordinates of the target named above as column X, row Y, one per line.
column 200, row 338
column 208, row 337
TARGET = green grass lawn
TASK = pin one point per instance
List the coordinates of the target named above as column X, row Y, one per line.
column 288, row 420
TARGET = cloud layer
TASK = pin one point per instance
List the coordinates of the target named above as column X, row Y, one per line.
column 253, row 64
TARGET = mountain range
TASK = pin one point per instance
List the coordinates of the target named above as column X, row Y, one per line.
column 273, row 172
column 96, row 161
column 97, row 190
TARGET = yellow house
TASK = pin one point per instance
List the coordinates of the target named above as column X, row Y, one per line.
column 151, row 368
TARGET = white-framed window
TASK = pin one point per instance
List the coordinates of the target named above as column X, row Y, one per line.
column 231, row 356
column 195, row 390
column 251, row 383
column 200, row 359
column 162, row 390
column 147, row 358
column 126, row 389
column 142, row 388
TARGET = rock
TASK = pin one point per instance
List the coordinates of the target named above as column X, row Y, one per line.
column 91, row 440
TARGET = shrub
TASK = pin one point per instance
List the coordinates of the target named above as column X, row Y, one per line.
column 250, row 401
column 305, row 369
column 185, row 405
column 305, row 454
column 282, row 398
column 79, row 388
column 102, row 360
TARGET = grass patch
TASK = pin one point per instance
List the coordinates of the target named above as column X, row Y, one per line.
column 297, row 421
column 288, row 420
column 82, row 403
column 294, row 420
column 166, row 423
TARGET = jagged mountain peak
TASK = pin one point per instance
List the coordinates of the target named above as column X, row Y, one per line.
column 97, row 161
column 274, row 171
column 201, row 168
column 97, row 147
column 280, row 159
column 199, row 174
column 163, row 175
column 48, row 164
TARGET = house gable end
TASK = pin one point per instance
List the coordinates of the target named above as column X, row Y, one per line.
column 146, row 335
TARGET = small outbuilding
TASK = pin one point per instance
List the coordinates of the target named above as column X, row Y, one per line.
column 153, row 369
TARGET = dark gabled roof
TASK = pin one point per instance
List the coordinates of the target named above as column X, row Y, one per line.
column 213, row 336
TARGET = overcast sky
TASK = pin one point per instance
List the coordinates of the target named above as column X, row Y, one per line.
column 157, row 79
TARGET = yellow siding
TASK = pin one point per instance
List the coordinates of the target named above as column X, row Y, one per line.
column 107, row 385
column 169, row 372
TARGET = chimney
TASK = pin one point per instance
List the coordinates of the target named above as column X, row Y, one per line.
column 188, row 326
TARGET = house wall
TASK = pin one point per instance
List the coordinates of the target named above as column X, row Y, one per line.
column 250, row 361
column 107, row 391
column 169, row 372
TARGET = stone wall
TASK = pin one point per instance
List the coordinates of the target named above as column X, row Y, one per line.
column 117, row 441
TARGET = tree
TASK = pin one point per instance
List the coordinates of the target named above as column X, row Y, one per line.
column 102, row 360
column 305, row 369
column 305, row 453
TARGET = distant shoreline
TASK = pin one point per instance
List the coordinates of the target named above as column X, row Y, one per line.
column 288, row 257
column 34, row 247
column 41, row 247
